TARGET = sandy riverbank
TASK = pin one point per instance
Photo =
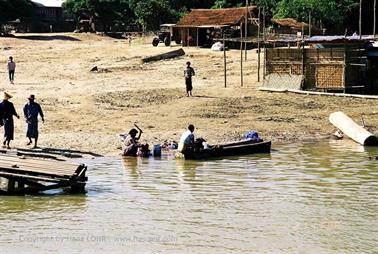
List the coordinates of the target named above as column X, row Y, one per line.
column 86, row 110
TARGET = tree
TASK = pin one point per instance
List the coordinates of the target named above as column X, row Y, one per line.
column 151, row 13
column 105, row 12
column 332, row 13
column 15, row 9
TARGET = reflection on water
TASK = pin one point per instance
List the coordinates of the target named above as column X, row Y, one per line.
column 306, row 198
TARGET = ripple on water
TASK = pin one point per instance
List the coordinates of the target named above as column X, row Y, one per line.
column 311, row 198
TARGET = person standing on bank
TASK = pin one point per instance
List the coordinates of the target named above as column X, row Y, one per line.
column 11, row 69
column 7, row 111
column 189, row 73
column 31, row 112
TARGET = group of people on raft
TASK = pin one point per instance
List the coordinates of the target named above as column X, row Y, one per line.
column 132, row 146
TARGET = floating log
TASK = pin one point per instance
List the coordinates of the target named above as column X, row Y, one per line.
column 168, row 55
column 31, row 176
column 352, row 129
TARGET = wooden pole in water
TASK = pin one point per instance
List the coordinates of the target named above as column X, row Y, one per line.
column 224, row 59
column 241, row 54
column 258, row 47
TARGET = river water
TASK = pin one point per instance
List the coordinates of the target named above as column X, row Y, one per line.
column 303, row 198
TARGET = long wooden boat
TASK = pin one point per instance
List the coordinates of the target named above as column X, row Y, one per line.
column 244, row 147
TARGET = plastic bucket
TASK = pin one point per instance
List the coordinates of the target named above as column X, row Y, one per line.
column 157, row 150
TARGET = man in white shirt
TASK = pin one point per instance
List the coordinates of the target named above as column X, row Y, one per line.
column 186, row 140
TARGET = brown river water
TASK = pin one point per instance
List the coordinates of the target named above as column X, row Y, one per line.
column 302, row 198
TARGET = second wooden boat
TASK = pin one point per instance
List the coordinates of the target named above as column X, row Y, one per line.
column 244, row 147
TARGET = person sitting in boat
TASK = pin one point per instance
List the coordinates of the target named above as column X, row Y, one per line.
column 186, row 143
column 131, row 143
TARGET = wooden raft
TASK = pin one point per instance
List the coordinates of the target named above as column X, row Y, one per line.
column 31, row 176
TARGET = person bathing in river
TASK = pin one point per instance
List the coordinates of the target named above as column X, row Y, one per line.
column 186, row 143
column 131, row 143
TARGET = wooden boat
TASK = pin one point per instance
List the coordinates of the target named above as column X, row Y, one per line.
column 244, row 147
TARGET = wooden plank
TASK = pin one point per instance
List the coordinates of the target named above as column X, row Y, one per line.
column 57, row 165
column 29, row 177
column 318, row 93
column 34, row 172
column 37, row 160
column 37, row 168
column 42, row 167
column 168, row 55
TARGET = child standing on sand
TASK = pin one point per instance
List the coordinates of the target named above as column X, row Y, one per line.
column 11, row 69
column 188, row 73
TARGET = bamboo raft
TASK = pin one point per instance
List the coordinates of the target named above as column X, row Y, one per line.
column 32, row 176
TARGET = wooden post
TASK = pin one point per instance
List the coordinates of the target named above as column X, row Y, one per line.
column 246, row 28
column 224, row 60
column 20, row 185
column 360, row 20
column 241, row 54
column 258, row 48
column 303, row 59
column 344, row 68
column 309, row 24
column 375, row 17
column 197, row 37
column 187, row 37
column 11, row 185
column 170, row 36
column 264, row 69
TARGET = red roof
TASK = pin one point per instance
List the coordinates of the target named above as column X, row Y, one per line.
column 215, row 17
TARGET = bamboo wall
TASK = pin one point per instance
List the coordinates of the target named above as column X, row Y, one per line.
column 323, row 69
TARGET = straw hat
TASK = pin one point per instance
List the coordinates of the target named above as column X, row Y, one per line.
column 7, row 95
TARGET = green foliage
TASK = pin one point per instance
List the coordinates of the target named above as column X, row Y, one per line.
column 15, row 9
column 329, row 12
column 107, row 12
column 151, row 13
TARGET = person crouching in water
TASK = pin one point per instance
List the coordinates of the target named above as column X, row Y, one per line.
column 132, row 147
column 186, row 144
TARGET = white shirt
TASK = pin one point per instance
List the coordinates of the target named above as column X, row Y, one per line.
column 186, row 138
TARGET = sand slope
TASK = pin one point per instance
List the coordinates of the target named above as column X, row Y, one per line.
column 86, row 110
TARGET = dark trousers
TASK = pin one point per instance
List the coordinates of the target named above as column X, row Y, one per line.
column 188, row 83
column 11, row 75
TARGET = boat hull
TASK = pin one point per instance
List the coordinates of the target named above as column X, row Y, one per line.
column 231, row 149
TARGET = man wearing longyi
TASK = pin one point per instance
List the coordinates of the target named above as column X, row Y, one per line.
column 7, row 111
